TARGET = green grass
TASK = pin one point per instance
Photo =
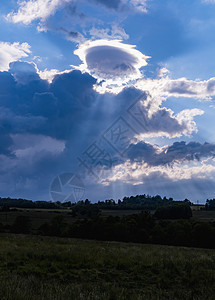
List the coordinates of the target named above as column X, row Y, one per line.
column 34, row 267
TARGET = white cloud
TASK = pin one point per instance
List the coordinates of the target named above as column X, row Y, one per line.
column 161, row 122
column 185, row 117
column 181, row 87
column 35, row 9
column 163, row 72
column 136, row 173
column 111, row 61
column 140, row 5
column 50, row 74
column 10, row 52
column 163, row 87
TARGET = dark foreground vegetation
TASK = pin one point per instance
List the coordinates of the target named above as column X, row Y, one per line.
column 48, row 268
column 48, row 250
column 167, row 225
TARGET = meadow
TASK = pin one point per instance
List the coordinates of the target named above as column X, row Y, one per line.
column 35, row 267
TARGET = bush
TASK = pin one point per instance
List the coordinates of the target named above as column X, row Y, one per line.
column 179, row 211
column 21, row 224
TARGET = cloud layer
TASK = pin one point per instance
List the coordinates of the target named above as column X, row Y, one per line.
column 71, row 20
column 46, row 126
column 31, row 10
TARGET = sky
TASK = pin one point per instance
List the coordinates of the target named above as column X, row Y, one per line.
column 103, row 99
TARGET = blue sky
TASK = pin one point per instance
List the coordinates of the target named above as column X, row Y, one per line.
column 119, row 93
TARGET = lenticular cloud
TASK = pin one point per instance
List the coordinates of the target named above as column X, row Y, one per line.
column 111, row 61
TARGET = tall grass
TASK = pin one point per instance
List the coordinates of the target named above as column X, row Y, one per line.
column 33, row 267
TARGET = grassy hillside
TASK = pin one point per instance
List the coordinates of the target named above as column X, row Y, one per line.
column 34, row 267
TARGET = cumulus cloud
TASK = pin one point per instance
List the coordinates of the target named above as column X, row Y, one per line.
column 45, row 126
column 111, row 61
column 31, row 105
column 167, row 155
column 137, row 173
column 162, row 122
column 181, row 87
column 11, row 52
column 69, row 94
column 49, row 75
column 40, row 124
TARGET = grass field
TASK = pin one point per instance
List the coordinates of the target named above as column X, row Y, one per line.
column 33, row 267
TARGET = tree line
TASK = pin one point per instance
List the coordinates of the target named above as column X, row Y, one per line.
column 138, row 202
column 145, row 227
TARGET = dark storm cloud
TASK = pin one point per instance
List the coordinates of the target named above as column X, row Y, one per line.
column 68, row 107
column 39, row 107
column 178, row 152
column 6, row 143
column 66, row 112
column 61, row 110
